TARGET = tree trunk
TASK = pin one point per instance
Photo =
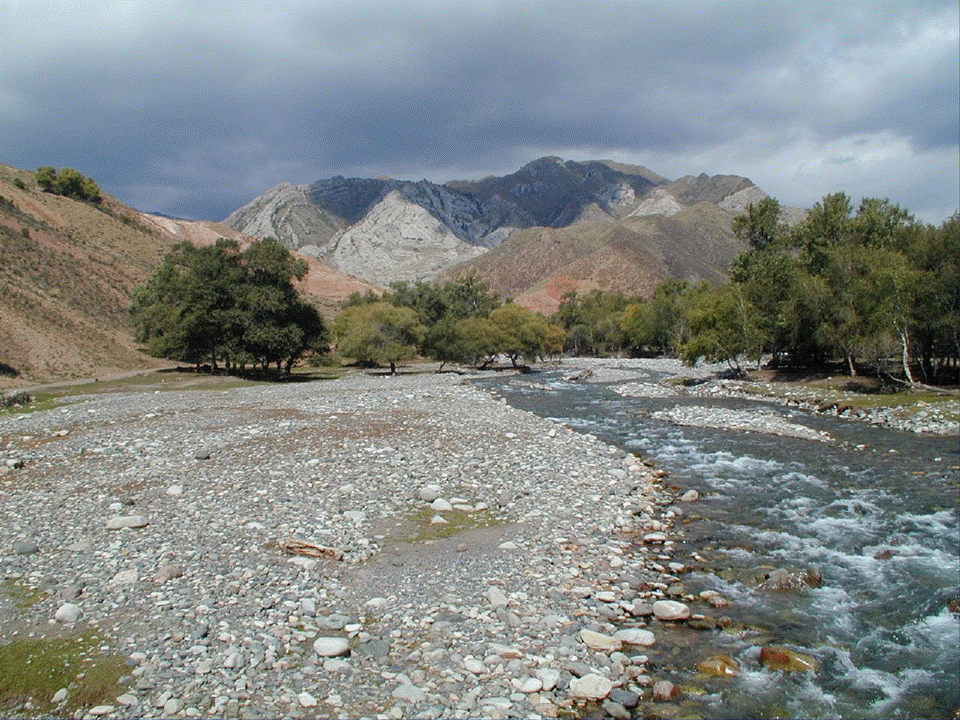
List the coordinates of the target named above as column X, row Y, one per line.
column 851, row 366
column 393, row 368
column 905, row 343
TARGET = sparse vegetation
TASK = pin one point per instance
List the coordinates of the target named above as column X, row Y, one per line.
column 457, row 521
column 32, row 671
column 68, row 182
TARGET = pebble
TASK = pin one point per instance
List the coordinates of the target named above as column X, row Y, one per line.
column 670, row 610
column 518, row 616
column 68, row 613
column 172, row 706
column 664, row 690
column 306, row 700
column 25, row 547
column 635, row 636
column 331, row 646
column 590, row 687
column 429, row 493
column 719, row 666
column 599, row 641
column 126, row 521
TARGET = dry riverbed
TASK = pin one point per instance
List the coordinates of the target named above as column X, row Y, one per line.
column 368, row 546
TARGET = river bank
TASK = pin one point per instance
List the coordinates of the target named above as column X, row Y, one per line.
column 843, row 549
column 920, row 413
column 364, row 547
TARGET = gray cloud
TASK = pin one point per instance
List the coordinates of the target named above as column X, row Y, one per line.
column 194, row 108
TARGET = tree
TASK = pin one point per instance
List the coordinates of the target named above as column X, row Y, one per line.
column 478, row 341
column 723, row 327
column 379, row 333
column 187, row 310
column 760, row 225
column 523, row 334
column 440, row 308
column 659, row 323
column 592, row 321
column 68, row 182
column 216, row 303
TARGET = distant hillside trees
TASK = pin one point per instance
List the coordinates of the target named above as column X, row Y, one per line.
column 217, row 304
column 870, row 288
column 68, row 182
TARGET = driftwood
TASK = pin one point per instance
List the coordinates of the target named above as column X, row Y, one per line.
column 921, row 386
column 292, row 546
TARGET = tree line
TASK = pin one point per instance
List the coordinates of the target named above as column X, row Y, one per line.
column 458, row 321
column 858, row 287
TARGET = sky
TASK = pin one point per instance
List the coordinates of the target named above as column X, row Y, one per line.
column 194, row 108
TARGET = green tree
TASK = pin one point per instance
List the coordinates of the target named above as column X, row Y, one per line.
column 591, row 321
column 47, row 178
column 760, row 225
column 216, row 303
column 187, row 310
column 379, row 333
column 279, row 327
column 523, row 334
column 660, row 323
column 477, row 342
column 440, row 308
column 723, row 327
column 68, row 182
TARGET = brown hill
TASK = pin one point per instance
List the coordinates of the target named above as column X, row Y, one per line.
column 67, row 273
column 537, row 266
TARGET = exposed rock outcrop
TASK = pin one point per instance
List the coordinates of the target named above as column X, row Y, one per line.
column 383, row 230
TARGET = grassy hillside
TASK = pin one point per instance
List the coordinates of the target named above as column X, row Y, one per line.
column 67, row 269
column 67, row 272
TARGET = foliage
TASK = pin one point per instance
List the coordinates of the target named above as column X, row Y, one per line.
column 864, row 285
column 869, row 286
column 68, row 182
column 379, row 333
column 659, row 324
column 591, row 322
column 522, row 333
column 217, row 303
column 723, row 327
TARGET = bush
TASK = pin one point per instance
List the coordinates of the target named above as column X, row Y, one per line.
column 68, row 182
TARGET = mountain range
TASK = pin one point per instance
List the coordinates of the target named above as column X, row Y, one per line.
column 549, row 228
column 68, row 268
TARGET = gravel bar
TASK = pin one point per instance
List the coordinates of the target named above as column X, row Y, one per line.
column 371, row 546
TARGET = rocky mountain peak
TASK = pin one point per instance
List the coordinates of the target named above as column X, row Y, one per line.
column 415, row 229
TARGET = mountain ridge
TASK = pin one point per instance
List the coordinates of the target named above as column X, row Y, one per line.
column 369, row 228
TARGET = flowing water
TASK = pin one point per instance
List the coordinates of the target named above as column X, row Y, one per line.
column 875, row 512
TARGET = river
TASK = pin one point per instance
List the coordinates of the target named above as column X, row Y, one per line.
column 873, row 511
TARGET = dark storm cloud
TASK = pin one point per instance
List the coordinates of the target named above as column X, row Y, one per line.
column 194, row 108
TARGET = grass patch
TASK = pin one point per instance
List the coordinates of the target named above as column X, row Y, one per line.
column 32, row 671
column 39, row 401
column 23, row 596
column 458, row 521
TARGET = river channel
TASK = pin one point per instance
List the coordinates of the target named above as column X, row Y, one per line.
column 872, row 511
